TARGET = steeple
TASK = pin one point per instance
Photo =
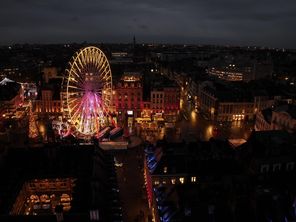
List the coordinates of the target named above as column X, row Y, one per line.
column 134, row 42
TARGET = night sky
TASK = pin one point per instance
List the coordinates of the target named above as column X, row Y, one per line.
column 235, row 22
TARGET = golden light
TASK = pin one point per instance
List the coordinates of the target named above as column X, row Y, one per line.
column 42, row 129
column 165, row 169
column 173, row 181
column 209, row 132
column 181, row 103
column 212, row 110
column 193, row 116
column 181, row 179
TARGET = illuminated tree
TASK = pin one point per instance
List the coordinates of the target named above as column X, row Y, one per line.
column 33, row 130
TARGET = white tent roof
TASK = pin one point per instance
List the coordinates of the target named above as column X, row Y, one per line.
column 5, row 80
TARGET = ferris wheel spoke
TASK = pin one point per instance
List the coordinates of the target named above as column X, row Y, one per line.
column 106, row 71
column 106, row 78
column 98, row 101
column 99, row 57
column 77, row 75
column 107, row 100
column 75, row 84
column 81, row 59
column 73, row 103
column 91, row 57
column 77, row 68
column 95, row 59
column 103, row 66
column 90, row 67
column 80, row 63
column 74, row 65
column 78, row 112
column 73, row 108
column 103, row 74
column 86, row 57
column 75, row 115
column 74, row 95
column 88, row 62
column 108, row 91
column 76, row 87
column 73, row 79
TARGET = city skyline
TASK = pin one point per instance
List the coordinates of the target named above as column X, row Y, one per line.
column 194, row 22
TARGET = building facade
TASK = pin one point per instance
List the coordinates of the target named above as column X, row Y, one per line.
column 242, row 72
column 157, row 100
column 280, row 118
column 263, row 120
column 49, row 73
column 127, row 96
column 47, row 103
column 165, row 101
column 224, row 104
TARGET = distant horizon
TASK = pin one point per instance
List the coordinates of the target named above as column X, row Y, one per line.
column 147, row 43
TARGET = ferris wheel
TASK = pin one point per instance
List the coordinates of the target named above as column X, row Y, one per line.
column 87, row 91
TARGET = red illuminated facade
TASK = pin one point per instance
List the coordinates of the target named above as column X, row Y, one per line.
column 171, row 100
column 128, row 94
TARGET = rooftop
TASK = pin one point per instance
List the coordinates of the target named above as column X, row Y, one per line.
column 288, row 108
column 264, row 144
column 8, row 89
column 198, row 158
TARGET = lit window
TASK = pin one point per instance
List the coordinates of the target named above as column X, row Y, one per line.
column 264, row 168
column 156, row 182
column 173, row 181
column 165, row 169
column 181, row 180
column 276, row 167
column 290, row 166
column 193, row 179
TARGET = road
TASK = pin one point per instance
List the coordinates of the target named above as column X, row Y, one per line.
column 131, row 184
column 196, row 127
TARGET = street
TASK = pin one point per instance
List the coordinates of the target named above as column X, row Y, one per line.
column 196, row 127
column 131, row 184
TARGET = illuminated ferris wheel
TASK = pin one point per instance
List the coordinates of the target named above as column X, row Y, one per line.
column 87, row 91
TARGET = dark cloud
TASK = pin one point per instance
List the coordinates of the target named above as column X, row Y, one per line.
column 264, row 22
